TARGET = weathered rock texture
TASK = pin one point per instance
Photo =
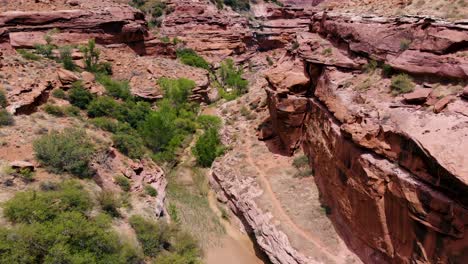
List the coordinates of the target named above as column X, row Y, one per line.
column 211, row 32
column 393, row 176
column 115, row 24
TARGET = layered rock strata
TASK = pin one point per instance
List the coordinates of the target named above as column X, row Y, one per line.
column 392, row 175
column 115, row 24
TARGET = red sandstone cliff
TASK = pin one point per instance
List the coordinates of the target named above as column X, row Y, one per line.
column 393, row 174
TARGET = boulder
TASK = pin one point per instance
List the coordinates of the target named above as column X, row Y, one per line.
column 418, row 96
column 442, row 103
column 67, row 77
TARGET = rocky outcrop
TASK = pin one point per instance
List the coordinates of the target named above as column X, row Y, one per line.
column 214, row 33
column 116, row 24
column 417, row 45
column 393, row 176
column 140, row 173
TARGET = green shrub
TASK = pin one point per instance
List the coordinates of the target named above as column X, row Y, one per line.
column 208, row 147
column 191, row 58
column 153, row 237
column 110, row 203
column 33, row 206
column 45, row 50
column 123, row 182
column 165, row 39
column 301, row 161
column 327, row 52
column 401, row 83
column 26, row 173
column 209, row 121
column 79, row 96
column 387, row 70
column 28, row 55
column 270, row 61
column 59, row 93
column 129, row 145
column 90, row 55
column 159, row 129
column 177, row 90
column 371, row 66
column 231, row 76
column 116, row 89
column 68, row 151
column 54, row 110
column 6, row 119
column 3, row 99
column 56, row 229
column 106, row 124
column 149, row 190
column 66, row 58
column 71, row 110
column 103, row 106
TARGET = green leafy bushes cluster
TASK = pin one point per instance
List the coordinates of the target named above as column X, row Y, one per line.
column 123, row 182
column 191, row 58
column 208, row 147
column 401, row 83
column 165, row 243
column 70, row 151
column 231, row 76
column 155, row 9
column 54, row 226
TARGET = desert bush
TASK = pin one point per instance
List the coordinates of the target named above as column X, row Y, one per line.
column 114, row 88
column 6, row 119
column 54, row 110
column 208, row 147
column 371, row 66
column 66, row 58
column 177, row 90
column 209, row 121
column 71, row 110
column 90, row 55
column 129, row 145
column 123, row 182
column 103, row 106
column 154, row 237
column 110, row 203
column 327, row 52
column 28, row 55
column 68, row 151
column 79, row 96
column 191, row 58
column 3, row 98
column 387, row 70
column 301, row 161
column 401, row 83
column 149, row 190
column 59, row 93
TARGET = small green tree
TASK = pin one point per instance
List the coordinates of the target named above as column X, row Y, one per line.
column 91, row 56
column 208, row 147
column 66, row 58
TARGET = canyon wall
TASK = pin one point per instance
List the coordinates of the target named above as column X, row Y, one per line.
column 392, row 173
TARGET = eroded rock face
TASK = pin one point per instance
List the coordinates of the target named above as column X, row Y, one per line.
column 140, row 173
column 115, row 24
column 416, row 45
column 393, row 175
column 214, row 33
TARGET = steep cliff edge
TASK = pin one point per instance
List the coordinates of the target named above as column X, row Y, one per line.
column 393, row 174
